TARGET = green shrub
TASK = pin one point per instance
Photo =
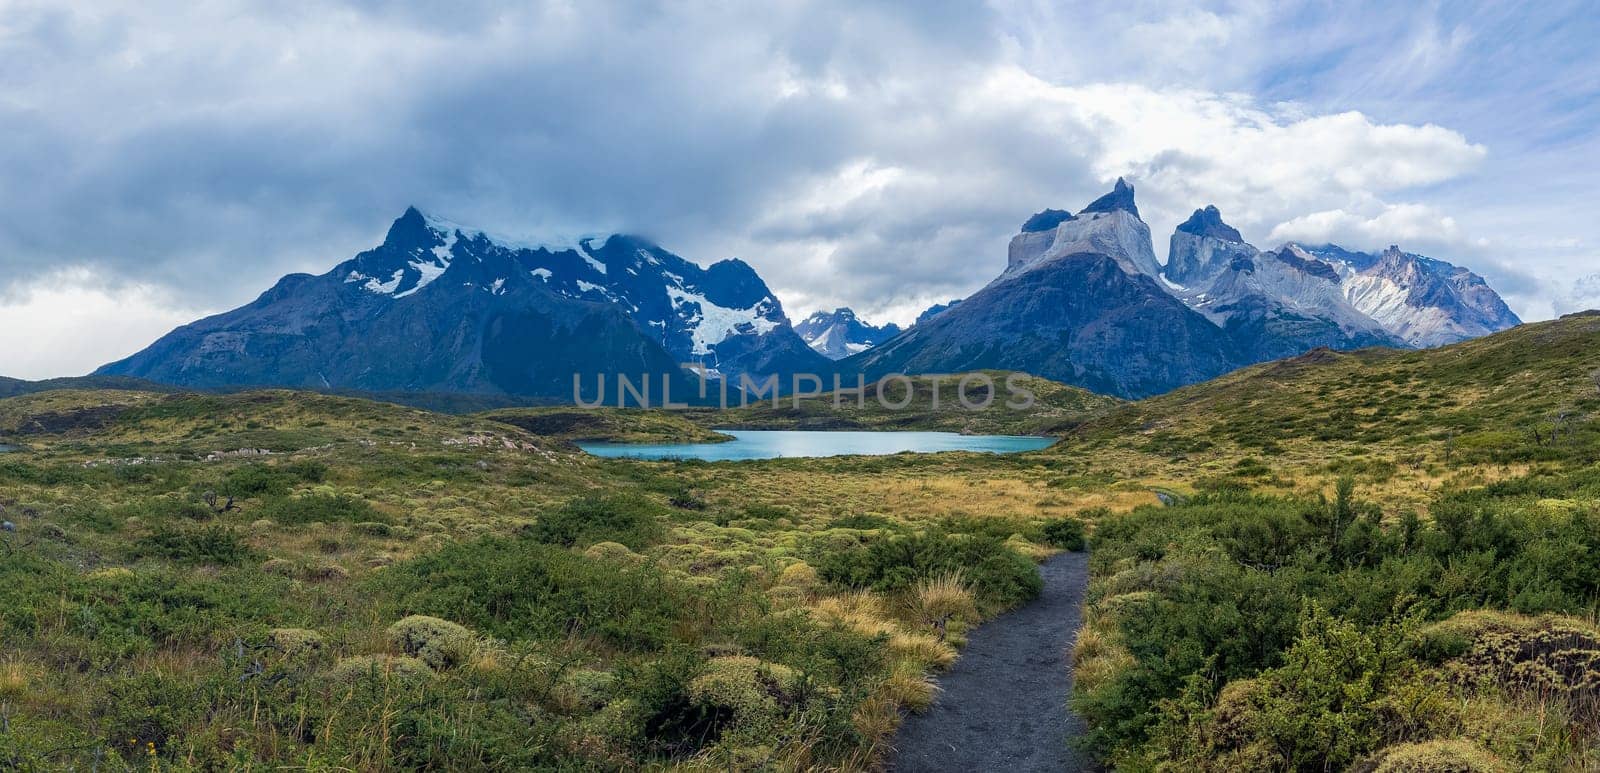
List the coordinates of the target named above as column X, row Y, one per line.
column 1000, row 577
column 517, row 588
column 199, row 545
column 319, row 508
column 260, row 479
column 1064, row 533
column 145, row 709
column 629, row 519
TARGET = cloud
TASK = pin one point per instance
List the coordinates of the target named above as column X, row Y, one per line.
column 1389, row 224
column 923, row 217
column 871, row 154
column 67, row 322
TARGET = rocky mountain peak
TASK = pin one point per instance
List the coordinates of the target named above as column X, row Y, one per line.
column 1046, row 220
column 1120, row 197
column 1208, row 223
column 1109, row 226
column 840, row 333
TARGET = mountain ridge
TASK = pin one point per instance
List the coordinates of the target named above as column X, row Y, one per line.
column 440, row 307
column 1262, row 305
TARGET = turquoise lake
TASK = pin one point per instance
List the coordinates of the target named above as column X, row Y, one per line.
column 771, row 444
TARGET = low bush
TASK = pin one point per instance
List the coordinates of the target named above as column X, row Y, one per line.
column 521, row 588
column 439, row 643
column 629, row 519
column 198, row 545
column 319, row 508
column 1064, row 533
column 998, row 575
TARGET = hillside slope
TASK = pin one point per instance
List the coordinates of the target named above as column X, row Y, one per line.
column 1518, row 396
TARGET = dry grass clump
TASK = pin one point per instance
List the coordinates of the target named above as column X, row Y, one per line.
column 910, row 687
column 941, row 601
column 295, row 642
column 921, row 648
column 859, row 610
column 1440, row 756
column 439, row 643
column 1034, row 551
column 1098, row 654
column 379, row 668
column 876, row 719
column 15, row 680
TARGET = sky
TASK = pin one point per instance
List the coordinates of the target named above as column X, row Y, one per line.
column 166, row 160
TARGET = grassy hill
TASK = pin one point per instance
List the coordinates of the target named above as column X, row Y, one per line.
column 1384, row 561
column 1056, row 408
column 12, row 387
column 1403, row 419
column 1372, row 559
column 275, row 578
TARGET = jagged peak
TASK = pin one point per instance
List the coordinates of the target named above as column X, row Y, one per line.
column 1120, row 197
column 416, row 225
column 1046, row 220
column 410, row 228
column 1304, row 262
column 1208, row 222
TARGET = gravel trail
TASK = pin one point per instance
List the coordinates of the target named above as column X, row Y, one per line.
column 1003, row 706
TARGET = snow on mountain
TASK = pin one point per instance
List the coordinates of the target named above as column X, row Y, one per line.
column 440, row 306
column 1424, row 301
column 1275, row 304
column 839, row 333
column 1079, row 302
column 1109, row 226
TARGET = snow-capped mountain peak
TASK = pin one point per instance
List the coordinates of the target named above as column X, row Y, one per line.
column 1422, row 300
column 839, row 333
column 453, row 307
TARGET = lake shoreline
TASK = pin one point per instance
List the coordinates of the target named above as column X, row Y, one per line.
column 774, row 444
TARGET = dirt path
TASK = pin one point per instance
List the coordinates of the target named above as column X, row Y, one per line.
column 1003, row 706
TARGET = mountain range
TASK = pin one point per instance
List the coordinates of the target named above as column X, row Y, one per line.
column 1083, row 300
column 442, row 308
column 439, row 307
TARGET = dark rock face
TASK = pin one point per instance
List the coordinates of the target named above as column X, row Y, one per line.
column 1208, row 222
column 1046, row 220
column 1083, row 320
column 839, row 333
column 936, row 309
column 1120, row 198
column 1313, row 267
column 440, row 308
